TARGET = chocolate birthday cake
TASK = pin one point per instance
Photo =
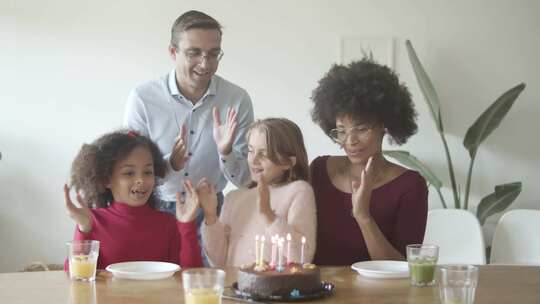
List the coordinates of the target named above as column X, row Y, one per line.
column 292, row 280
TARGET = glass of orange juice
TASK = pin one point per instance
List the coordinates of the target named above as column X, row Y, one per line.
column 203, row 285
column 82, row 293
column 82, row 257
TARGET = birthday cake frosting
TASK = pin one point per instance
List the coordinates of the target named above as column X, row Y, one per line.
column 293, row 280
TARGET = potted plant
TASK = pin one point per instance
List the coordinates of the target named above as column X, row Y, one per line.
column 485, row 124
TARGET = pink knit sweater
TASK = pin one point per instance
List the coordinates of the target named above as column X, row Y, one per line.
column 230, row 241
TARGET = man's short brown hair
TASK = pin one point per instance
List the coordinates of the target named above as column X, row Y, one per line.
column 192, row 19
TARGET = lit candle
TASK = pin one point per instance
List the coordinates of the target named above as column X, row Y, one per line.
column 261, row 255
column 256, row 250
column 280, row 253
column 302, row 251
column 273, row 257
column 288, row 248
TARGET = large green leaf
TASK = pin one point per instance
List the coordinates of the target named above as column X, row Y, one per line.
column 490, row 119
column 408, row 160
column 497, row 201
column 427, row 88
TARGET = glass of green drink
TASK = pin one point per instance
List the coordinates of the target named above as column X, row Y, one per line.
column 422, row 260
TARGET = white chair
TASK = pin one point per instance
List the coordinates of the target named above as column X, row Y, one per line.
column 458, row 234
column 517, row 238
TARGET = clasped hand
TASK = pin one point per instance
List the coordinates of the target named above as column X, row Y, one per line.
column 263, row 199
column 204, row 195
column 223, row 133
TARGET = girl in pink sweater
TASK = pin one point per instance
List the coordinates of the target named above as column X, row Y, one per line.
column 115, row 178
column 279, row 200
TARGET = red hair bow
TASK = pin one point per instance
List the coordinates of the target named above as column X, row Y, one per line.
column 133, row 134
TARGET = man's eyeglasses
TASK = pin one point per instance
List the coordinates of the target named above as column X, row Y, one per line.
column 339, row 135
column 196, row 55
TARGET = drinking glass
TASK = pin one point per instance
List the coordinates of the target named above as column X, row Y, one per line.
column 82, row 257
column 457, row 283
column 203, row 285
column 82, row 293
column 422, row 260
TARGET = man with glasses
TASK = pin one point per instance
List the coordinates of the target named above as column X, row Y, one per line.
column 197, row 118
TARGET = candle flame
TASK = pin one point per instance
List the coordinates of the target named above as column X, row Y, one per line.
column 303, row 240
column 288, row 236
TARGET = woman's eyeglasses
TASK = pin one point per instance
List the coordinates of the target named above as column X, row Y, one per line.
column 340, row 135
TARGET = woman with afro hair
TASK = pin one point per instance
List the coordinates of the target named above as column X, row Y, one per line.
column 367, row 207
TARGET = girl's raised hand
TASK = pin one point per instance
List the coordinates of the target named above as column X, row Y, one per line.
column 224, row 134
column 208, row 199
column 263, row 200
column 81, row 215
column 361, row 190
column 186, row 211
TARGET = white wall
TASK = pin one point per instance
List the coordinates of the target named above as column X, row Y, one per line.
column 66, row 68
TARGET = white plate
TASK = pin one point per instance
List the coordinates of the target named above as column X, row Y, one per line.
column 143, row 270
column 382, row 269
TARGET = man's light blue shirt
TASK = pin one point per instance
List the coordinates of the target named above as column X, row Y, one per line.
column 158, row 110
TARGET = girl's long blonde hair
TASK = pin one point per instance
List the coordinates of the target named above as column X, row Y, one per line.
column 283, row 140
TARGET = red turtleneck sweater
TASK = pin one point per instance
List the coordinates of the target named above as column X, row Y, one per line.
column 142, row 234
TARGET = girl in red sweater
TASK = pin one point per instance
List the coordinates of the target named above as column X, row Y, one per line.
column 115, row 178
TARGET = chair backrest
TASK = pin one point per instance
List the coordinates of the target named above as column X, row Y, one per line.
column 516, row 239
column 458, row 234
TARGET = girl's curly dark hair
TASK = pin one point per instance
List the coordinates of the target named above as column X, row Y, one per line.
column 365, row 90
column 94, row 164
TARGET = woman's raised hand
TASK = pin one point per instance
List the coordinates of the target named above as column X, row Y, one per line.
column 224, row 133
column 263, row 200
column 186, row 211
column 81, row 215
column 361, row 190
